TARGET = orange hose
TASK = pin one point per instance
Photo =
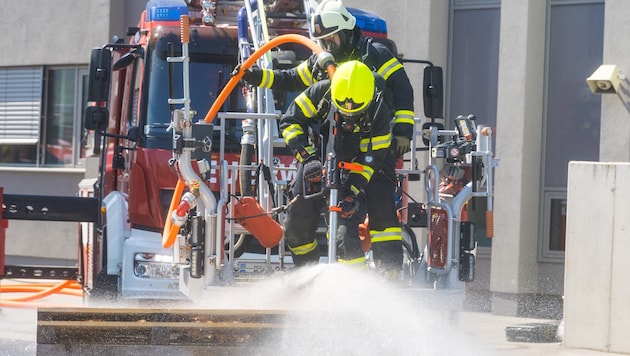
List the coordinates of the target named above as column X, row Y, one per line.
column 37, row 285
column 25, row 305
column 44, row 293
column 170, row 231
column 27, row 289
column 252, row 59
column 42, row 290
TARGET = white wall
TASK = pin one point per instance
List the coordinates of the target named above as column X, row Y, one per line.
column 48, row 32
column 597, row 268
column 614, row 144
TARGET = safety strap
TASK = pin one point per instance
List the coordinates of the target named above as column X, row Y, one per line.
column 267, row 176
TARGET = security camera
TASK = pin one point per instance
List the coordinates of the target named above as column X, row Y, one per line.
column 605, row 80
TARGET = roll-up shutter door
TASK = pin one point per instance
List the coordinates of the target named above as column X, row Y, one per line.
column 20, row 105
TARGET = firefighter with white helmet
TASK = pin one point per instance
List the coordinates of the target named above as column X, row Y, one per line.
column 354, row 101
column 335, row 29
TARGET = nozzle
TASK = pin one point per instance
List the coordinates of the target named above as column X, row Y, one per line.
column 189, row 201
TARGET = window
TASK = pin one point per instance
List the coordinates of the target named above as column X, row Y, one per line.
column 474, row 65
column 20, row 113
column 572, row 112
column 65, row 105
column 41, row 116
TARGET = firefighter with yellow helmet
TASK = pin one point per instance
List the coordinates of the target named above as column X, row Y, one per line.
column 336, row 31
column 353, row 104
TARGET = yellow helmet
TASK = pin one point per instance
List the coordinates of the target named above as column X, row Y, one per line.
column 352, row 88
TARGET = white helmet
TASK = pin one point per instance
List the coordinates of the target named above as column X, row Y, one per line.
column 331, row 17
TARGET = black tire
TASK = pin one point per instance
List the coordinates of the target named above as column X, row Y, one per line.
column 104, row 291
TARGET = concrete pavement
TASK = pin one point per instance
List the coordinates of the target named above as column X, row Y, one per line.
column 490, row 330
column 464, row 333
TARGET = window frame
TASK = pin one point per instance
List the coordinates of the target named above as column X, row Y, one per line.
column 549, row 193
column 80, row 73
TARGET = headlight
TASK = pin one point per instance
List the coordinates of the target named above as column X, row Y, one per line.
column 150, row 265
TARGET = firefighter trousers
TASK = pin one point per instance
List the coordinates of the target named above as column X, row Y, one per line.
column 304, row 216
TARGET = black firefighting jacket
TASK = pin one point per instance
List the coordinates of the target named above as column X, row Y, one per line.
column 367, row 144
column 376, row 56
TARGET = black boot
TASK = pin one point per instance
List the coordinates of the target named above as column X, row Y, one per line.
column 311, row 258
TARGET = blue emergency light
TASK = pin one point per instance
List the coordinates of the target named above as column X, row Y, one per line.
column 369, row 21
column 166, row 10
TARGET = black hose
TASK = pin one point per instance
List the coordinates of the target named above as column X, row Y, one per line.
column 245, row 171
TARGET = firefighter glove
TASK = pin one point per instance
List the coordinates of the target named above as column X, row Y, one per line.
column 324, row 59
column 350, row 206
column 312, row 175
column 402, row 145
column 251, row 75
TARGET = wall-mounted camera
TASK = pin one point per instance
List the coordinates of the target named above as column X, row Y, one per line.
column 605, row 80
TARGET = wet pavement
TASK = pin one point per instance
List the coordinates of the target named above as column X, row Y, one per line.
column 476, row 333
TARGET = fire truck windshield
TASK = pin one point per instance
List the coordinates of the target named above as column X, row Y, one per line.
column 212, row 58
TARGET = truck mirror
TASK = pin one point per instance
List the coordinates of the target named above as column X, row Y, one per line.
column 133, row 134
column 100, row 75
column 433, row 94
column 96, row 118
column 128, row 58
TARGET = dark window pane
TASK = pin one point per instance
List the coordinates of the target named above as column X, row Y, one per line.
column 60, row 116
column 18, row 154
column 573, row 112
column 475, row 63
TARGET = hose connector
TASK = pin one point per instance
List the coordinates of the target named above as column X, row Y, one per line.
column 188, row 201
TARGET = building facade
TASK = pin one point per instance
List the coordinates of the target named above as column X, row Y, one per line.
column 519, row 66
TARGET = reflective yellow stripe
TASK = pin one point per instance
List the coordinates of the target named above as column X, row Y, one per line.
column 354, row 261
column 267, row 78
column 366, row 173
column 389, row 68
column 291, row 131
column 305, row 74
column 304, row 249
column 389, row 234
column 306, row 105
column 404, row 117
column 308, row 149
column 378, row 142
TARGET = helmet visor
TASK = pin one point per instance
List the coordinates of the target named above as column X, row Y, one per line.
column 330, row 43
column 349, row 108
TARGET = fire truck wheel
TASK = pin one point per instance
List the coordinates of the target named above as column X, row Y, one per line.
column 104, row 290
